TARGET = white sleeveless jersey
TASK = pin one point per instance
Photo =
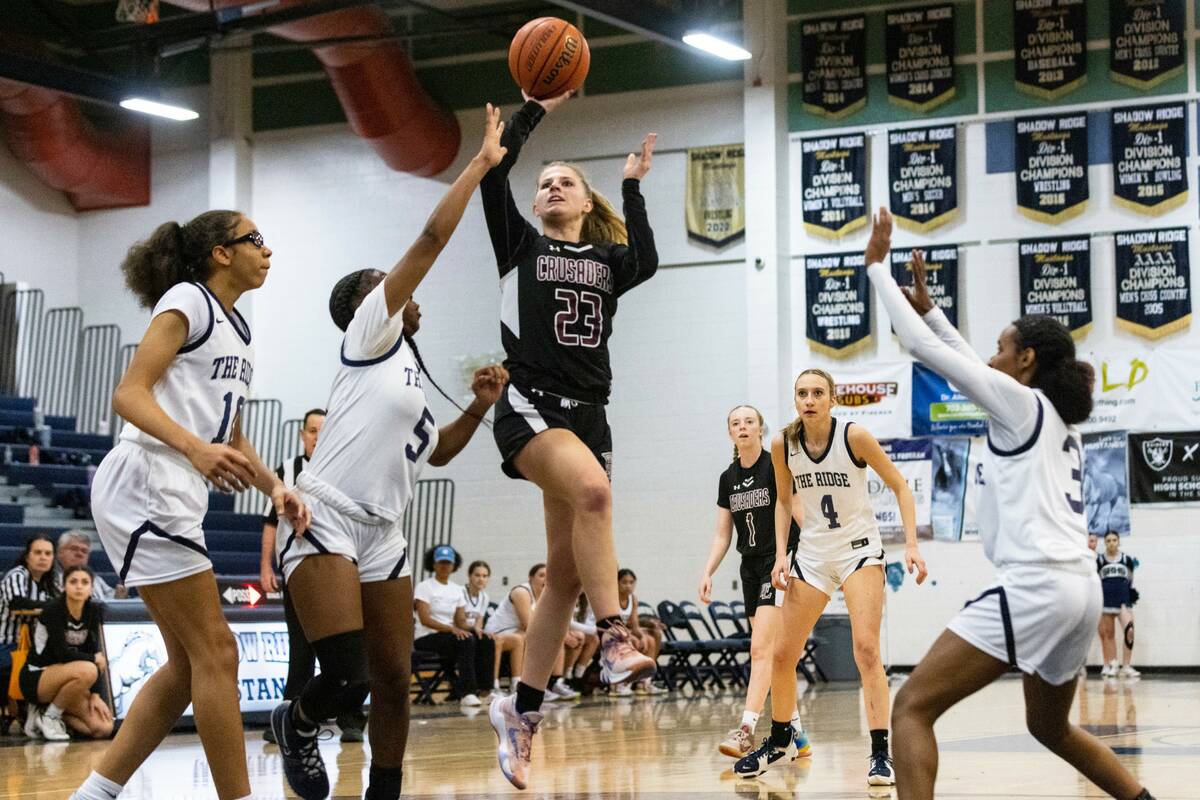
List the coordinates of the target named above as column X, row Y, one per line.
column 208, row 381
column 838, row 520
column 379, row 432
column 505, row 618
column 1031, row 504
column 475, row 608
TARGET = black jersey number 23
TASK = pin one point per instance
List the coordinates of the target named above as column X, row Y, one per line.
column 579, row 321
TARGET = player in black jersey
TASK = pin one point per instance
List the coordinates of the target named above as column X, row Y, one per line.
column 559, row 291
column 746, row 495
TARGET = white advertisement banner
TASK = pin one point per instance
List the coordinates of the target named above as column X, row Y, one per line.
column 136, row 650
column 914, row 459
column 1144, row 390
column 878, row 397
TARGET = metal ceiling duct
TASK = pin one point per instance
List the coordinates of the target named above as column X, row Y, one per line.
column 376, row 84
column 96, row 168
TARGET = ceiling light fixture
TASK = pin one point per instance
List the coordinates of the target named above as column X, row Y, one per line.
column 717, row 47
column 154, row 108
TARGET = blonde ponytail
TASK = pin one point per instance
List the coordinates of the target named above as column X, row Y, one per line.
column 602, row 224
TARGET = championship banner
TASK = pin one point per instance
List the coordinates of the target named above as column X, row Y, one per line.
column 1147, row 43
column 716, row 194
column 914, row 459
column 1153, row 281
column 923, row 176
column 1105, row 489
column 839, row 307
column 920, row 56
column 1143, row 389
column 834, row 60
column 941, row 410
column 834, row 179
column 135, row 650
column 1149, row 157
column 1164, row 468
column 1056, row 280
column 878, row 397
column 941, row 276
column 1050, row 45
column 1052, row 167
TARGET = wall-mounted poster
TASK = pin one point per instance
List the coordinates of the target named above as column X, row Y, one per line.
column 716, row 194
column 939, row 409
column 914, row 459
column 1154, row 296
column 833, row 54
column 877, row 396
column 1164, row 468
column 1052, row 167
column 920, row 56
column 1147, row 44
column 941, row 276
column 923, row 176
column 1050, row 46
column 838, row 296
column 1105, row 488
column 834, row 179
column 1056, row 280
column 1149, row 157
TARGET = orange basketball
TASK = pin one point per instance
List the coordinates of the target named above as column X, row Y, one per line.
column 548, row 56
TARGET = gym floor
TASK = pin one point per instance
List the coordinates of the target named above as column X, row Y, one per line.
column 659, row 748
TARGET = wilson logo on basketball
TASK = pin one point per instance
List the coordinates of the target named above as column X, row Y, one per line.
column 569, row 50
column 865, row 394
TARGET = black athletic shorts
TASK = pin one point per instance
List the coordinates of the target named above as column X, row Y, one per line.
column 757, row 589
column 28, row 681
column 523, row 413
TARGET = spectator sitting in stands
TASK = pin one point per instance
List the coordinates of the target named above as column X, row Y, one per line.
column 75, row 549
column 508, row 624
column 584, row 622
column 65, row 667
column 27, row 587
column 471, row 614
column 646, row 640
column 437, row 604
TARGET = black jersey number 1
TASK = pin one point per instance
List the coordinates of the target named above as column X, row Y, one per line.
column 581, row 323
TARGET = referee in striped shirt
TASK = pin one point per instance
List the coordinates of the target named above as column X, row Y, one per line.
column 301, row 659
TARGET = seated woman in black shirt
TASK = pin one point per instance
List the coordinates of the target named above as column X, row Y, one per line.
column 65, row 666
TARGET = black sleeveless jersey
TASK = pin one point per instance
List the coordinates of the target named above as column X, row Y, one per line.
column 749, row 494
column 558, row 299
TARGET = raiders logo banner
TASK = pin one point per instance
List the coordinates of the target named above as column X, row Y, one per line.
column 920, row 57
column 941, row 276
column 1056, row 280
column 1149, row 157
column 1147, row 41
column 1154, row 295
column 834, row 59
column 838, row 294
column 716, row 196
column 1050, row 45
column 1052, row 167
column 1164, row 467
column 923, row 176
column 834, row 179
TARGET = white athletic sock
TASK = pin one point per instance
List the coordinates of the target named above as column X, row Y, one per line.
column 796, row 723
column 97, row 787
column 580, row 669
column 53, row 712
column 749, row 719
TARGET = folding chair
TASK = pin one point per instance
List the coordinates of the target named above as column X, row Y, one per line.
column 680, row 651
column 727, row 650
column 428, row 672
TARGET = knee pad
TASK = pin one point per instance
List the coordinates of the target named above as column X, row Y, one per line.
column 344, row 681
column 1129, row 635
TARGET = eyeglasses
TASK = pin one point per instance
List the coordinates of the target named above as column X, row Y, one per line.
column 253, row 237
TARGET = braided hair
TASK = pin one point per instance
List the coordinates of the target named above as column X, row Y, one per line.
column 1066, row 381
column 176, row 253
column 347, row 296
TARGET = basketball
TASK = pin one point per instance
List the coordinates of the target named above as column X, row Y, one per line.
column 548, row 56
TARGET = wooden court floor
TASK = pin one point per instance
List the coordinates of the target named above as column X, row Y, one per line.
column 665, row 748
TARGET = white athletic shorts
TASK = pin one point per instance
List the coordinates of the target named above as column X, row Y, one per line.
column 1039, row 619
column 828, row 575
column 342, row 527
column 149, row 505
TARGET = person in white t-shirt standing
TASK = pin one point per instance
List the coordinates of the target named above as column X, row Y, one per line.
column 436, row 604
